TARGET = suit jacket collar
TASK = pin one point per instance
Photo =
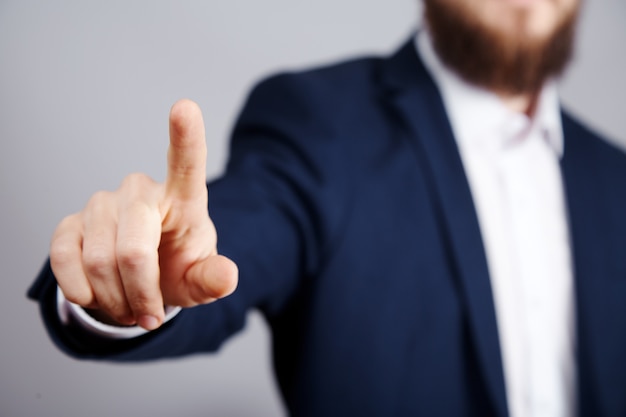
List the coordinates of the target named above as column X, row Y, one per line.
column 413, row 94
column 475, row 112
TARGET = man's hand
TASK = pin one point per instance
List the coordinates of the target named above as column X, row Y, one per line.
column 147, row 244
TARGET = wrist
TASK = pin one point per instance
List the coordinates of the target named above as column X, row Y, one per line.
column 98, row 323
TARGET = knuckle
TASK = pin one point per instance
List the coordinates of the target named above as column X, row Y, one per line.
column 98, row 262
column 99, row 198
column 61, row 253
column 141, row 303
column 133, row 255
column 136, row 179
column 200, row 293
column 78, row 295
column 184, row 169
column 67, row 222
column 63, row 248
column 118, row 310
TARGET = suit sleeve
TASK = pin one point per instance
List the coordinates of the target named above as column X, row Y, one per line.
column 273, row 209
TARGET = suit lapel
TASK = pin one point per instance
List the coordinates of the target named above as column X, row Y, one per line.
column 414, row 95
column 600, row 284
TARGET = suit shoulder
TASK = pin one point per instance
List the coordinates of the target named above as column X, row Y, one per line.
column 608, row 155
column 317, row 105
column 344, row 80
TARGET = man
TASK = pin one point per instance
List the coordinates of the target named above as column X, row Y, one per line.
column 426, row 234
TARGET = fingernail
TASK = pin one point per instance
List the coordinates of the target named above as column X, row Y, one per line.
column 148, row 322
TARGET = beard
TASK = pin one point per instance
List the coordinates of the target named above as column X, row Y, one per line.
column 510, row 63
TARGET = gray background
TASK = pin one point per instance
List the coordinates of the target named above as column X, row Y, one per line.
column 85, row 89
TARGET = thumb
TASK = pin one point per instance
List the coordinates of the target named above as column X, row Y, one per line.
column 205, row 281
column 186, row 172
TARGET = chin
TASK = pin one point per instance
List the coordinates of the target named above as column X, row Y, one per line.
column 501, row 45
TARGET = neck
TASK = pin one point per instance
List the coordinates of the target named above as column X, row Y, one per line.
column 520, row 103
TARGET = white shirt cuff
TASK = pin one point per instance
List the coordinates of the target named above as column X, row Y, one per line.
column 69, row 311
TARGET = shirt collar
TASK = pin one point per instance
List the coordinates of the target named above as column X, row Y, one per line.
column 476, row 114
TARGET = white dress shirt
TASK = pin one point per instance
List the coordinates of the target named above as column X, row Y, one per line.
column 512, row 165
column 69, row 311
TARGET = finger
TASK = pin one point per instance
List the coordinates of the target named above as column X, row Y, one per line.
column 138, row 237
column 205, row 281
column 186, row 175
column 99, row 258
column 66, row 262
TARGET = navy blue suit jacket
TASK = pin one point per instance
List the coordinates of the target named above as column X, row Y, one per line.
column 346, row 207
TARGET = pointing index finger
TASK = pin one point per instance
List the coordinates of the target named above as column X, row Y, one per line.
column 186, row 173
